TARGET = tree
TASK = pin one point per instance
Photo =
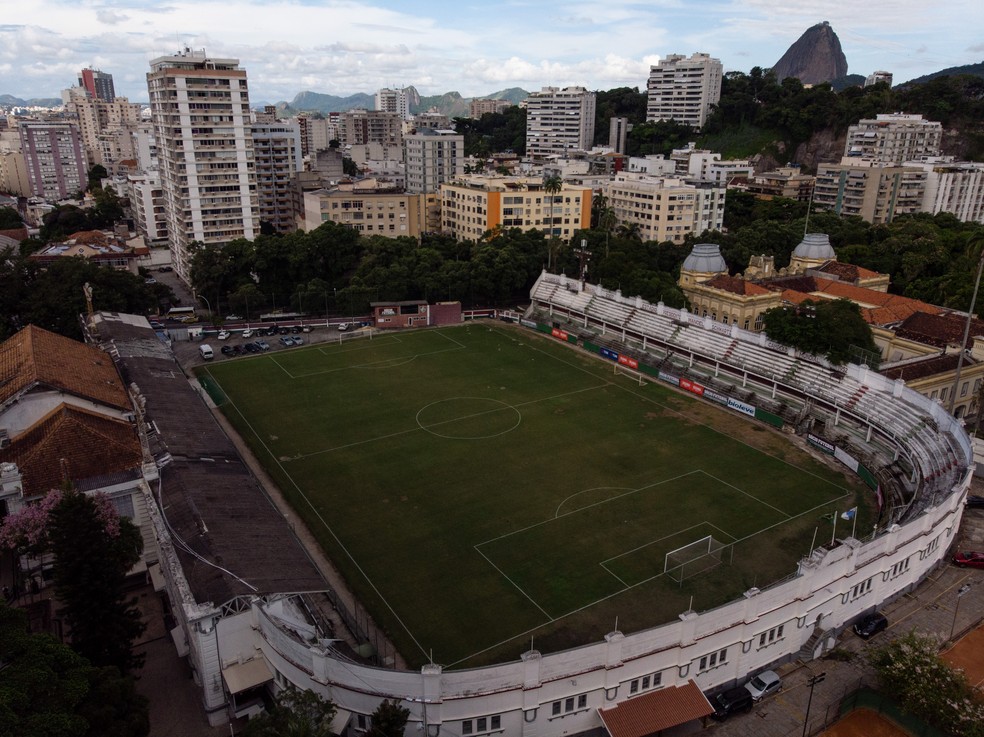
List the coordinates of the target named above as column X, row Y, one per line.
column 93, row 551
column 832, row 328
column 96, row 174
column 294, row 713
column 389, row 719
column 10, row 219
column 552, row 184
column 912, row 672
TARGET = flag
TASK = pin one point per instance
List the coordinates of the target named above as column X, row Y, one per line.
column 849, row 514
column 829, row 515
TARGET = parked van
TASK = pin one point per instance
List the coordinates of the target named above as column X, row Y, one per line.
column 205, row 351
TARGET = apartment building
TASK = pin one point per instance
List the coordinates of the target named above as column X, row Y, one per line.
column 394, row 101
column 956, row 187
column 473, row 205
column 106, row 126
column 432, row 157
column 13, row 174
column 277, row 152
column 893, row 138
column 875, row 192
column 665, row 208
column 683, row 89
column 786, row 181
column 54, row 157
column 618, row 132
column 372, row 208
column 200, row 111
column 433, row 119
column 317, row 133
column 147, row 205
column 478, row 108
column 559, row 121
column 98, row 84
column 359, row 127
column 876, row 77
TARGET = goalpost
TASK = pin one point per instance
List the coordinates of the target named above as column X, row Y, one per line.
column 638, row 376
column 355, row 335
column 697, row 557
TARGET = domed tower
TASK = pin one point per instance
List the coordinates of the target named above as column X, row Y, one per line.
column 813, row 250
column 704, row 262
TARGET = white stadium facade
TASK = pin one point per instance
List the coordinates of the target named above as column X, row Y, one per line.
column 915, row 456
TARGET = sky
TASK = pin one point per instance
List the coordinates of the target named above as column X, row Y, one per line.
column 476, row 48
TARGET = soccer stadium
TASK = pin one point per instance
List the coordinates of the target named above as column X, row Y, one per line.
column 602, row 499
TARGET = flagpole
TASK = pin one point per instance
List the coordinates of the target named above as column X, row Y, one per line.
column 814, row 540
column 854, row 527
column 833, row 534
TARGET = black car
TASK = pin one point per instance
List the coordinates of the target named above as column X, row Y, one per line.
column 733, row 700
column 285, row 331
column 227, row 350
column 870, row 625
column 295, row 330
column 975, row 502
column 251, row 348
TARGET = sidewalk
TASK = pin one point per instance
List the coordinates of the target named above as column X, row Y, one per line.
column 931, row 609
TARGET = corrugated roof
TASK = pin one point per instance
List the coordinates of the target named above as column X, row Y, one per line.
column 72, row 443
column 37, row 356
column 657, row 710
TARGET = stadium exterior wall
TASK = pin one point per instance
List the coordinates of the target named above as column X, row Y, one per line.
column 827, row 592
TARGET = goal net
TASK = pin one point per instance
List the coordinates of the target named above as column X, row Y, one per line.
column 697, row 557
column 636, row 376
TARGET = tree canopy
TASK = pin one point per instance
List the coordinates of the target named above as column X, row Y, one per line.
column 831, row 328
column 294, row 713
column 388, row 720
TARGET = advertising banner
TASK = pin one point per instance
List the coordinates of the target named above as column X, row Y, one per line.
column 847, row 460
column 527, row 323
column 746, row 409
column 692, row 386
column 609, row 354
column 820, row 443
column 669, row 378
column 626, row 361
column 557, row 333
column 715, row 397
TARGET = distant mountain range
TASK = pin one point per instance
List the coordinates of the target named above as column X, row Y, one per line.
column 974, row 70
column 450, row 103
column 11, row 101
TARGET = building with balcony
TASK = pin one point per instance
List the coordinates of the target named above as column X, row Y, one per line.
column 372, row 208
column 432, row 157
column 394, row 101
column 361, row 127
column 875, row 192
column 54, row 157
column 665, row 208
column 473, row 205
column 683, row 89
column 277, row 152
column 893, row 138
column 559, row 121
column 98, row 84
column 956, row 187
column 200, row 111
column 147, row 205
column 786, row 181
column 478, row 108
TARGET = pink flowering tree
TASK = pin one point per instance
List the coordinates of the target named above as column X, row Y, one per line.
column 26, row 531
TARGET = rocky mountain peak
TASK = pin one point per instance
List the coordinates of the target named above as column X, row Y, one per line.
column 815, row 57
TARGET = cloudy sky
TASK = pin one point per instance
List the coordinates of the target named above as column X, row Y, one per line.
column 345, row 46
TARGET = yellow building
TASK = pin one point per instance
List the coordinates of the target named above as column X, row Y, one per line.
column 471, row 206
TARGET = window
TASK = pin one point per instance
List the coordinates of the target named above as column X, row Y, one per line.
column 861, row 589
column 713, row 660
column 899, row 568
column 567, row 705
column 645, row 683
column 767, row 638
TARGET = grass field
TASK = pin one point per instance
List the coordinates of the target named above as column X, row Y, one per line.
column 483, row 484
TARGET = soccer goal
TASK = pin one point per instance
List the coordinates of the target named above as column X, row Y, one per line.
column 697, row 557
column 637, row 376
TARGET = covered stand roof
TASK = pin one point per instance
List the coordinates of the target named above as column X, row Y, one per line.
column 655, row 711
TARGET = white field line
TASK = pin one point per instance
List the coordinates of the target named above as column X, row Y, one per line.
column 515, row 585
column 280, row 366
column 750, row 496
column 328, row 528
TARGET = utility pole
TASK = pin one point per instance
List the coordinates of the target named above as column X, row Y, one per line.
column 814, row 680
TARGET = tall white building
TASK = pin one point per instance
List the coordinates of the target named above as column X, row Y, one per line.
column 200, row 111
column 893, row 138
column 952, row 186
column 277, row 150
column 432, row 157
column 559, row 121
column 394, row 101
column 683, row 90
column 665, row 208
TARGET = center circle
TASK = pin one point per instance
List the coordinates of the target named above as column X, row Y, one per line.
column 468, row 418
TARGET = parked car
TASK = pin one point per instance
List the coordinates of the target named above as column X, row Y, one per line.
column 165, row 269
column 343, row 326
column 264, row 346
column 251, row 348
column 731, row 701
column 765, row 683
column 298, row 340
column 224, row 335
column 150, row 280
column 286, row 341
column 227, row 350
column 247, row 333
column 295, row 330
column 305, row 328
column 969, row 559
column 870, row 625
column 285, row 330
column 233, row 318
column 975, row 502
column 237, row 350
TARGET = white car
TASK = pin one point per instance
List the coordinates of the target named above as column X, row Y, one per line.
column 765, row 683
column 247, row 333
column 223, row 335
column 343, row 326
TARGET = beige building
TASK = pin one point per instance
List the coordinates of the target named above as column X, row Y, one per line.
column 372, row 209
column 360, row 127
column 559, row 121
column 683, row 89
column 200, row 110
column 786, row 181
column 277, row 152
column 106, row 126
column 877, row 193
column 317, row 133
column 664, row 208
column 478, row 108
column 473, row 205
column 13, row 174
column 893, row 138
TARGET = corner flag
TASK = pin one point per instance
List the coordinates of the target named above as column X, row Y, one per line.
column 849, row 514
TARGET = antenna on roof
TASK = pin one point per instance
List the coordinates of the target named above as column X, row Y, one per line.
column 809, row 204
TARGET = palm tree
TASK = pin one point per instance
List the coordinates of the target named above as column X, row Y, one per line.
column 552, row 184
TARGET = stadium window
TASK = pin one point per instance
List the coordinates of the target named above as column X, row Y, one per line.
column 861, row 589
column 555, row 708
column 634, row 686
column 569, row 704
column 943, row 392
column 747, row 321
column 767, row 638
column 582, row 701
column 963, row 388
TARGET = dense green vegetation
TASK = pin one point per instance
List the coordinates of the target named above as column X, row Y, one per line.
column 474, row 450
column 494, row 132
column 831, row 328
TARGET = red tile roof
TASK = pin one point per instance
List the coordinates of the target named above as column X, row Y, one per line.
column 35, row 356
column 939, row 330
column 72, row 443
column 734, row 285
column 656, row 711
column 877, row 308
column 929, row 366
column 847, row 272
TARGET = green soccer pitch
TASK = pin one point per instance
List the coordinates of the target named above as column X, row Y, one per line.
column 481, row 485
